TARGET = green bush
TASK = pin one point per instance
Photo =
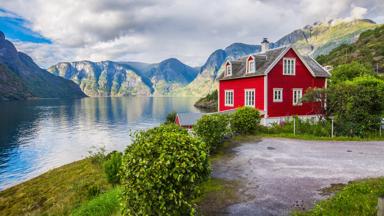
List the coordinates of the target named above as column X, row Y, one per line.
column 161, row 170
column 112, row 167
column 245, row 120
column 212, row 129
column 309, row 127
column 171, row 118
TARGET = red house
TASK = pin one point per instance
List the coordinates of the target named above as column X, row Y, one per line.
column 272, row 81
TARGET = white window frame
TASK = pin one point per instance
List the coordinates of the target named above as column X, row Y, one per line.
column 228, row 70
column 280, row 99
column 297, row 96
column 289, row 66
column 248, row 99
column 251, row 69
column 227, row 98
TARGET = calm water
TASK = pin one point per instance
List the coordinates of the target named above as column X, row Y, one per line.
column 39, row 135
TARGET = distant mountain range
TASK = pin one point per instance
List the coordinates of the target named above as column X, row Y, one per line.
column 174, row 78
column 21, row 78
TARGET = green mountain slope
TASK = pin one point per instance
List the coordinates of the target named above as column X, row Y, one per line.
column 368, row 49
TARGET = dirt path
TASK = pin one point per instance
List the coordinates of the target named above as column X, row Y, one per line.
column 283, row 174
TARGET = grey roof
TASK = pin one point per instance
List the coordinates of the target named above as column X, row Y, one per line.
column 265, row 60
column 188, row 119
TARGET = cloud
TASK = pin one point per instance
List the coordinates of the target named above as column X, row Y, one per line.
column 152, row 30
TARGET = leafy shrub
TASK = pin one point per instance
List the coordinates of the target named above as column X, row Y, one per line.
column 212, row 129
column 112, row 166
column 97, row 155
column 161, row 170
column 309, row 127
column 171, row 118
column 245, row 120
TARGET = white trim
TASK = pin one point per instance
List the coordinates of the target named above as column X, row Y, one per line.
column 218, row 98
column 226, row 68
column 281, row 95
column 254, row 97
column 292, row 60
column 299, row 103
column 266, row 96
column 225, row 97
column 271, row 66
column 247, row 68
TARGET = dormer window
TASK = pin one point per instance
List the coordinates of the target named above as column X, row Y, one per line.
column 289, row 66
column 251, row 65
column 228, row 69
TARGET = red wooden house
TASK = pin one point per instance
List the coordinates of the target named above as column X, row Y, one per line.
column 272, row 81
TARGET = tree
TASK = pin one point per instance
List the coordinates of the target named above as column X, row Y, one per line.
column 171, row 118
column 212, row 129
column 347, row 72
column 161, row 170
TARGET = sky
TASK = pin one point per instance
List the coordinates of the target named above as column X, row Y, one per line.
column 53, row 31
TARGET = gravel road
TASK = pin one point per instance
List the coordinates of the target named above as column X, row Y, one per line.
column 283, row 174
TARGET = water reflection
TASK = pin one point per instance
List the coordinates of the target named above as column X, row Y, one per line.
column 36, row 136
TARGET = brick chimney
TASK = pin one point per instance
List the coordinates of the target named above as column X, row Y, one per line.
column 264, row 45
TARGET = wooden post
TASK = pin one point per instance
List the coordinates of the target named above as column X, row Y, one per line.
column 380, row 206
column 294, row 126
column 332, row 129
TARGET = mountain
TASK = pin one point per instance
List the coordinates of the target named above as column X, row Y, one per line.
column 368, row 49
column 172, row 77
column 319, row 38
column 21, row 78
column 109, row 78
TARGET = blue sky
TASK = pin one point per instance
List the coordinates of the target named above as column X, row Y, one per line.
column 152, row 30
column 16, row 28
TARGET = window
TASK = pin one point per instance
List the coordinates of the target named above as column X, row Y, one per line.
column 251, row 66
column 249, row 97
column 228, row 98
column 289, row 66
column 228, row 70
column 297, row 95
column 277, row 95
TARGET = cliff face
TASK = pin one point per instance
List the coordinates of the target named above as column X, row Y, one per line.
column 21, row 78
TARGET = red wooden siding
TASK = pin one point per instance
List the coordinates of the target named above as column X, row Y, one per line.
column 302, row 79
column 238, row 86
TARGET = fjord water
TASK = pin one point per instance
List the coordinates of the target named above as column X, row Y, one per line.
column 38, row 135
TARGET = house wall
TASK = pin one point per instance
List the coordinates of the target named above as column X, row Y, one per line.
column 238, row 86
column 302, row 79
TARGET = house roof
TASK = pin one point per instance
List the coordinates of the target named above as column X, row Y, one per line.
column 190, row 119
column 264, row 61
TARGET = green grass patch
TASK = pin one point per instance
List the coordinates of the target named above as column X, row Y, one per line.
column 56, row 192
column 216, row 194
column 358, row 198
column 105, row 204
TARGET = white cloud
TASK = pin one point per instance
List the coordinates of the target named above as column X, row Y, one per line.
column 152, row 30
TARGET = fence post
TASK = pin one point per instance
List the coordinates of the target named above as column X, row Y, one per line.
column 380, row 206
column 332, row 128
column 294, row 126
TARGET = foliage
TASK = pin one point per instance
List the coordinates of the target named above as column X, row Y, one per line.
column 97, row 155
column 105, row 204
column 310, row 127
column 209, row 102
column 212, row 129
column 355, row 199
column 112, row 167
column 161, row 170
column 56, row 192
column 317, row 95
column 350, row 71
column 369, row 49
column 357, row 105
column 171, row 118
column 245, row 120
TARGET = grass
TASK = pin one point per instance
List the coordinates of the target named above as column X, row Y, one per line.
column 103, row 205
column 216, row 194
column 358, row 198
column 56, row 192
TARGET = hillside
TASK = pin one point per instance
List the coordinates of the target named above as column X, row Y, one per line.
column 109, row 78
column 368, row 49
column 21, row 78
column 316, row 39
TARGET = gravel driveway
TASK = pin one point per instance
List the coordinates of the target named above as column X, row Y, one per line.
column 282, row 174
